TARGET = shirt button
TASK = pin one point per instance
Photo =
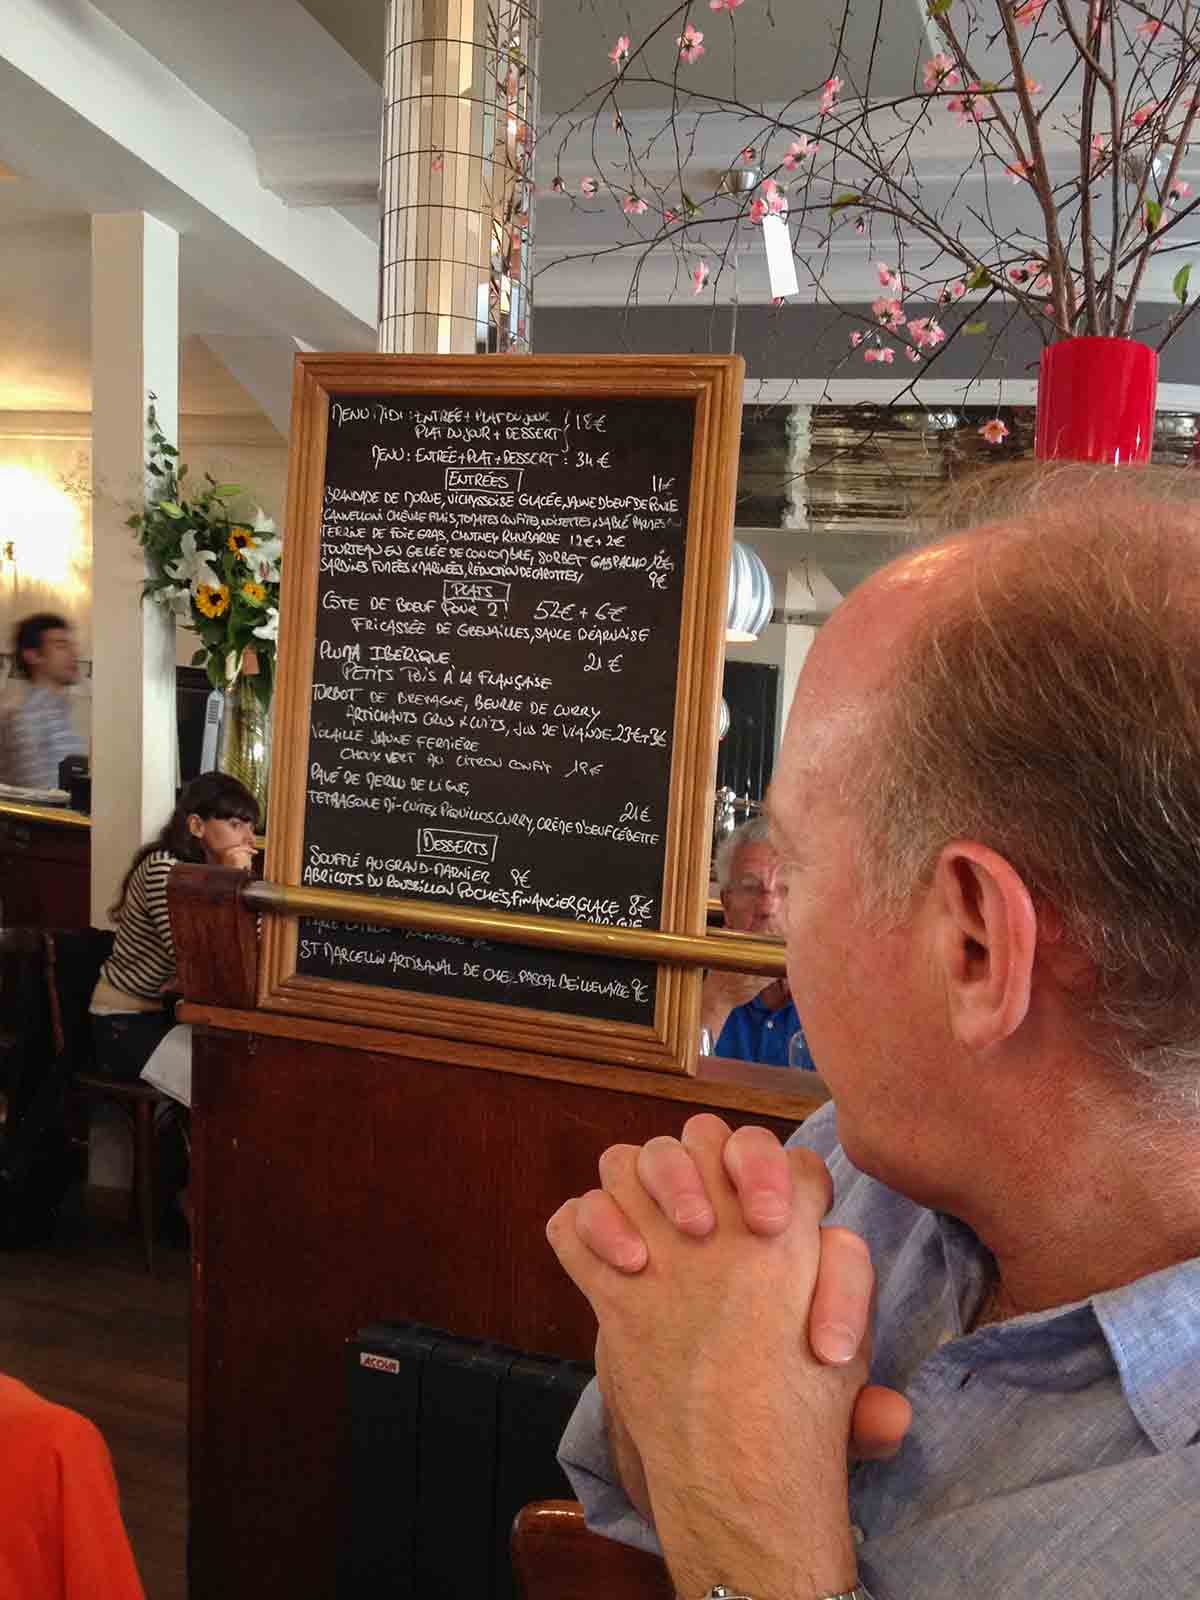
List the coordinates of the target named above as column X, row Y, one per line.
column 856, row 1533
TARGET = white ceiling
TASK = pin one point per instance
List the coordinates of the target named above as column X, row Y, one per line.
column 180, row 108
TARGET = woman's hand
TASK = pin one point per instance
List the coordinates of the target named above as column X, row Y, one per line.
column 240, row 856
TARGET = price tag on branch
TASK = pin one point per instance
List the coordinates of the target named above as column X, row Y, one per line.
column 781, row 263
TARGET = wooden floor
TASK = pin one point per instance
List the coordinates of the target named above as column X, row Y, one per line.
column 84, row 1324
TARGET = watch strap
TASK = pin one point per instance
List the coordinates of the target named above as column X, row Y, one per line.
column 721, row 1591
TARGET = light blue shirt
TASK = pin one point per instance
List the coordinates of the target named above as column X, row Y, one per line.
column 1051, row 1457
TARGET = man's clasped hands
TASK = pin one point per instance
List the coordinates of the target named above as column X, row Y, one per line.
column 732, row 1354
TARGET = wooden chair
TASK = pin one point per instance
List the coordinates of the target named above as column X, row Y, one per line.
column 139, row 1103
column 557, row 1557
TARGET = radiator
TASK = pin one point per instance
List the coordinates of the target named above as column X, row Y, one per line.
column 447, row 1440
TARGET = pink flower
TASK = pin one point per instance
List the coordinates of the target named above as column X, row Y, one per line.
column 913, row 355
column 437, row 161
column 888, row 277
column 758, row 210
column 1018, row 275
column 1178, row 191
column 725, row 5
column 859, row 225
column 829, row 94
column 994, row 431
column 699, row 277
column 1027, row 13
column 887, row 313
column 939, row 73
column 671, row 215
column 633, row 205
column 1148, row 29
column 1143, row 114
column 926, row 332
column 967, row 108
column 856, row 338
column 747, row 156
column 951, row 291
column 876, row 354
column 558, row 184
column 1099, row 152
column 690, row 46
column 775, row 197
column 1018, row 171
column 798, row 150
column 1032, row 86
column 589, row 187
column 619, row 54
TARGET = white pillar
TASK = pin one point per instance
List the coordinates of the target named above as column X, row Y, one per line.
column 808, row 592
column 135, row 351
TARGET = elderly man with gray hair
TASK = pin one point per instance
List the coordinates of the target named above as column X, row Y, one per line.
column 749, row 1022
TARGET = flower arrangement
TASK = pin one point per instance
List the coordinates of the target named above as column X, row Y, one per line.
column 1068, row 125
column 215, row 572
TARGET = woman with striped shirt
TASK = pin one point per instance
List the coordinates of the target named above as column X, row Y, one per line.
column 214, row 821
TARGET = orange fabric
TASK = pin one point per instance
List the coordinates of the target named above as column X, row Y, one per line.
column 61, row 1534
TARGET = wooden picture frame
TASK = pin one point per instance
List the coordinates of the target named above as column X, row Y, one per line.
column 712, row 386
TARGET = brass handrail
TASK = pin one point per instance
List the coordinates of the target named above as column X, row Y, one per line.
column 732, row 952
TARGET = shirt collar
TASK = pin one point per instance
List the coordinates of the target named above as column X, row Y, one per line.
column 1151, row 1328
column 1149, row 1337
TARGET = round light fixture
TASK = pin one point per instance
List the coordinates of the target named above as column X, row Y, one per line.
column 750, row 598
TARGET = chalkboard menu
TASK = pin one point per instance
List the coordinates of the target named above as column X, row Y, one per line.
column 492, row 677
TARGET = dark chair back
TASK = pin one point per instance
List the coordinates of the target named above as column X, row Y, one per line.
column 556, row 1556
column 74, row 957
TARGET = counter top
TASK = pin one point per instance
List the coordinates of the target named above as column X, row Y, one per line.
column 60, row 816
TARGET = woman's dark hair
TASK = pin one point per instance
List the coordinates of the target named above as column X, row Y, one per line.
column 212, row 794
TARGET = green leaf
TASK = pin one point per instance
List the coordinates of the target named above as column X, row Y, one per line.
column 846, row 200
column 200, row 657
column 1153, row 214
column 979, row 279
column 227, row 491
column 975, row 327
column 938, row 8
column 167, row 449
column 1179, row 284
column 171, row 509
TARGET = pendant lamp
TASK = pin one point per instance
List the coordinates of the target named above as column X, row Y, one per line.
column 750, row 599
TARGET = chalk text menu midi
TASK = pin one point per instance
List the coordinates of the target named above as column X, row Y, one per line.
column 494, row 683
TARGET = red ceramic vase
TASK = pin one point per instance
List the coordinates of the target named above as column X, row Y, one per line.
column 1096, row 401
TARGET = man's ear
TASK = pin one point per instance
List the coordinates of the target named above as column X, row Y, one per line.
column 985, row 942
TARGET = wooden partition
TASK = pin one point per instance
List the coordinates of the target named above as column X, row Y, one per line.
column 345, row 1174
column 482, row 934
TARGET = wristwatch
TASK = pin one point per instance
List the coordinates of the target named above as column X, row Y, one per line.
column 721, row 1591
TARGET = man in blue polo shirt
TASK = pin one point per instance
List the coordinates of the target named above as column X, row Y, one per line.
column 748, row 1022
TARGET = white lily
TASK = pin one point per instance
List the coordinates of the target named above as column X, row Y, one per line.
column 262, row 522
column 194, row 567
column 270, row 628
column 263, row 556
column 175, row 598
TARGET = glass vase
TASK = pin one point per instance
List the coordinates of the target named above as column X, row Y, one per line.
column 244, row 750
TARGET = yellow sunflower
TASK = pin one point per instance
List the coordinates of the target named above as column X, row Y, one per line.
column 214, row 602
column 254, row 592
column 239, row 538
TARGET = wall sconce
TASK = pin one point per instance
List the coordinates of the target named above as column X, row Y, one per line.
column 750, row 598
